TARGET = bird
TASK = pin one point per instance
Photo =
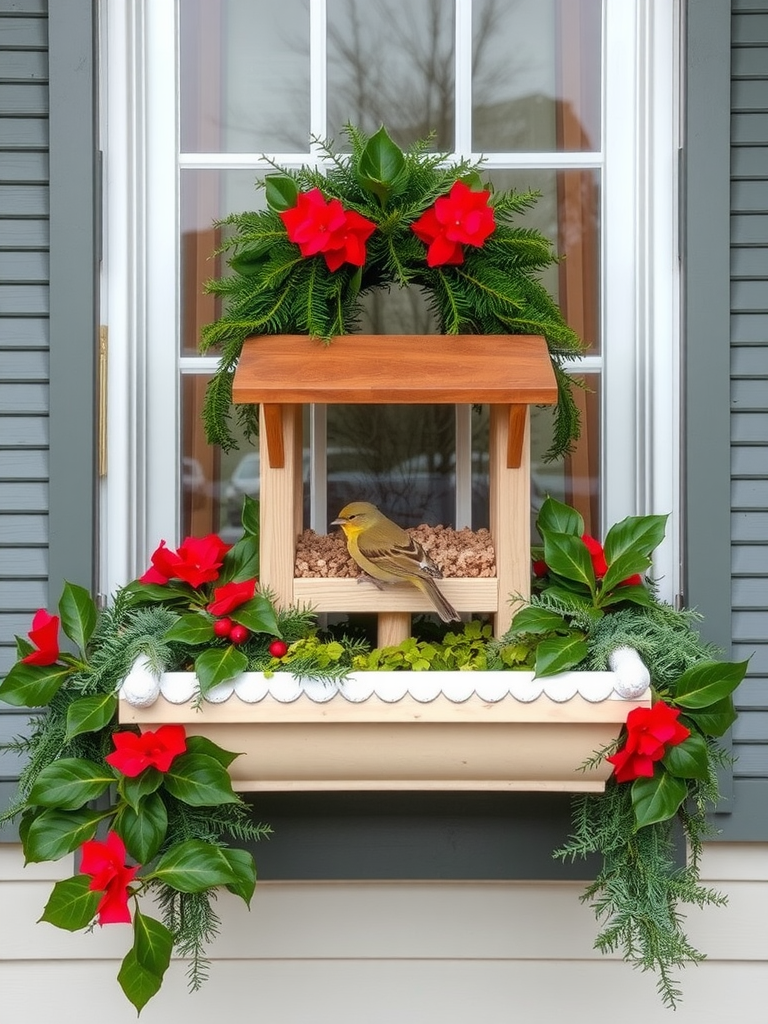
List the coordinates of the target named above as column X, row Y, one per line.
column 387, row 554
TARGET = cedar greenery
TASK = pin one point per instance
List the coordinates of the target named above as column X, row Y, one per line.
column 272, row 289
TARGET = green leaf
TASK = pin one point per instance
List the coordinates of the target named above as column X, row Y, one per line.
column 250, row 520
column 634, row 535
column 244, row 868
column 625, row 566
column 559, row 654
column 218, row 664
column 707, row 683
column 191, row 628
column 90, row 714
column 381, row 164
column 138, row 984
column 71, row 905
column 143, row 831
column 555, row 517
column 169, row 594
column 535, row 619
column 716, row 719
column 200, row 781
column 282, row 192
column 152, row 944
column 567, row 556
column 657, row 798
column 241, row 562
column 194, row 866
column 258, row 615
column 134, row 789
column 202, row 745
column 636, row 593
column 689, row 759
column 69, row 783
column 55, row 833
column 32, row 686
column 78, row 614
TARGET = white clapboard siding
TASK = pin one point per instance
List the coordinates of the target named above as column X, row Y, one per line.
column 410, row 953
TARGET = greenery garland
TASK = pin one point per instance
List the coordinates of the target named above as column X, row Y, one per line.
column 155, row 813
column 329, row 237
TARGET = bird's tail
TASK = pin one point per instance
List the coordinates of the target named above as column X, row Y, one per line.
column 444, row 609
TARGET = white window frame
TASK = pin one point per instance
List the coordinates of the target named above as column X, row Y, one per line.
column 640, row 318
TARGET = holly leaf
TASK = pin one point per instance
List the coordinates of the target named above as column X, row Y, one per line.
column 716, row 719
column 194, row 866
column 138, row 984
column 32, row 686
column 707, row 683
column 71, row 905
column 567, row 556
column 244, row 869
column 635, row 535
column 69, row 783
column 218, row 664
column 202, row 745
column 689, row 759
column 282, row 192
column 78, row 614
column 152, row 944
column 54, row 833
column 200, row 781
column 143, row 830
column 657, row 798
column 241, row 562
column 258, row 615
column 90, row 714
column 380, row 166
column 535, row 619
column 191, row 628
column 134, row 789
column 559, row 654
column 555, row 517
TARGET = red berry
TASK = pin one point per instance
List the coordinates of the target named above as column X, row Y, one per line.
column 239, row 634
column 278, row 648
column 222, row 627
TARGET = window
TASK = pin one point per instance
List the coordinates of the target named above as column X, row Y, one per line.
column 573, row 97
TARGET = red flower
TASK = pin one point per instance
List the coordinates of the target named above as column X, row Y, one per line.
column 133, row 753
column 231, row 596
column 197, row 561
column 463, row 217
column 650, row 733
column 317, row 226
column 599, row 564
column 105, row 862
column 45, row 634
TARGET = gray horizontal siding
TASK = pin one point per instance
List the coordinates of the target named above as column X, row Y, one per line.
column 24, row 337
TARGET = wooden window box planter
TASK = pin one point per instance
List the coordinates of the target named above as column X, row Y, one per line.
column 400, row 730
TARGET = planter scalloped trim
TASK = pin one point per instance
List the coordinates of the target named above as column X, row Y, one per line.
column 402, row 730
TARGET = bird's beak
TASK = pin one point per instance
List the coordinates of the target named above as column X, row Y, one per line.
column 338, row 522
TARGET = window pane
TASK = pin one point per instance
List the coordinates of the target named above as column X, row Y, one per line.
column 536, row 75
column 568, row 213
column 207, row 196
column 400, row 457
column 391, row 62
column 244, row 68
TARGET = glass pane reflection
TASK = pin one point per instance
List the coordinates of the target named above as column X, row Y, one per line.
column 536, row 75
column 392, row 62
column 244, row 70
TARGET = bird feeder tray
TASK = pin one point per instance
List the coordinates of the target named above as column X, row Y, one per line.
column 282, row 373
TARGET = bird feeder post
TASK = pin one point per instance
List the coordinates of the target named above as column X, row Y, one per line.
column 282, row 373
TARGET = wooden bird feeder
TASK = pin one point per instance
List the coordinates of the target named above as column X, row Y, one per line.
column 282, row 373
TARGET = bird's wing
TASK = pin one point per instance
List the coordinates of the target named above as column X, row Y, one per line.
column 402, row 560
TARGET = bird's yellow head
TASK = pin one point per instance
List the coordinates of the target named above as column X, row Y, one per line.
column 356, row 517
